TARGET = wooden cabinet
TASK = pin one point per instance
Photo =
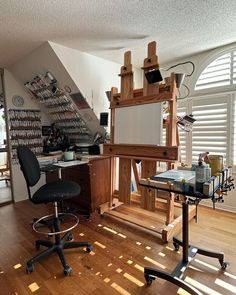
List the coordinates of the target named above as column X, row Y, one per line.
column 94, row 179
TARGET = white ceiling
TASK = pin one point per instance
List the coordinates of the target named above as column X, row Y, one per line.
column 107, row 28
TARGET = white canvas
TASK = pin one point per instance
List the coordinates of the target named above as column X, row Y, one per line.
column 140, row 124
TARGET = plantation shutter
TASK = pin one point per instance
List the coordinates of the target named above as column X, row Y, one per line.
column 233, row 131
column 210, row 132
column 234, row 67
column 218, row 73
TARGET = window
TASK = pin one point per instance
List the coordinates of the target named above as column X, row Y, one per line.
column 210, row 129
column 215, row 127
column 221, row 72
column 211, row 132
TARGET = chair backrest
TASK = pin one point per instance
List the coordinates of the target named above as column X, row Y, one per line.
column 29, row 165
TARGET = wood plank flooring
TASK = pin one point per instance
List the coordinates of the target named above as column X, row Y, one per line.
column 120, row 253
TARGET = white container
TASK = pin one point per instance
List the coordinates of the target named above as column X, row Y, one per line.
column 69, row 156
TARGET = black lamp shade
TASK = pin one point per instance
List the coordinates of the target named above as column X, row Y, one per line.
column 108, row 94
column 179, row 78
column 153, row 76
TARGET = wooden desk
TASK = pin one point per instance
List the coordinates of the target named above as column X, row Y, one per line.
column 93, row 177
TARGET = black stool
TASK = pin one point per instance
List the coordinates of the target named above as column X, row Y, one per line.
column 52, row 192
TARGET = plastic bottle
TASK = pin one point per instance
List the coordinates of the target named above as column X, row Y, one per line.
column 200, row 176
column 208, row 172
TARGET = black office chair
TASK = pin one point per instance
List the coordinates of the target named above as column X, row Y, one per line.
column 52, row 192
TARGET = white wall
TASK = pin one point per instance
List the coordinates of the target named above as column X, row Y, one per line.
column 13, row 87
column 93, row 75
column 80, row 71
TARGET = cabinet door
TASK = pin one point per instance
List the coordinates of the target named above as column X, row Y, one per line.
column 80, row 175
column 100, row 182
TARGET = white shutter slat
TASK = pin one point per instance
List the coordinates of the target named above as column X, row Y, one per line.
column 209, row 132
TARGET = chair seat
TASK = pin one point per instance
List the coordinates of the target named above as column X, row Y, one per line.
column 56, row 191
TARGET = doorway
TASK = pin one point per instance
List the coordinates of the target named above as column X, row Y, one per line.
column 5, row 171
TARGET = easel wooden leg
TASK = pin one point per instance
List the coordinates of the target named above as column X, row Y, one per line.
column 148, row 195
column 124, row 180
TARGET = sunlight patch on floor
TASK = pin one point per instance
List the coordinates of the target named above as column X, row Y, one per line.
column 139, row 267
column 113, row 231
column 119, row 289
column 161, row 254
column 110, row 230
column 33, row 287
column 100, row 245
column 195, row 268
column 201, row 287
column 182, row 292
column 106, row 280
column 122, row 236
column 154, row 262
column 133, row 279
column 16, row 266
column 225, row 285
column 169, row 248
column 230, row 275
column 206, row 264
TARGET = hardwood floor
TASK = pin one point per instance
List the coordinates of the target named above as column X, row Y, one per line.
column 116, row 264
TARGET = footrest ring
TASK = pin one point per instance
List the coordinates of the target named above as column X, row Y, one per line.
column 34, row 226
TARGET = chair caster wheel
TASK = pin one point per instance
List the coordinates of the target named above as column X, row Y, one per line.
column 224, row 265
column 89, row 249
column 70, row 237
column 176, row 245
column 149, row 279
column 67, row 270
column 29, row 268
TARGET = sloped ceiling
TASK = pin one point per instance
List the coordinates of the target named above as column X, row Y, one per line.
column 107, row 28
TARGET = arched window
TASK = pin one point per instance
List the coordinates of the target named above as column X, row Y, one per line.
column 214, row 108
column 220, row 72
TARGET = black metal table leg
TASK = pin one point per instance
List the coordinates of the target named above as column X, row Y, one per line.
column 151, row 273
column 189, row 251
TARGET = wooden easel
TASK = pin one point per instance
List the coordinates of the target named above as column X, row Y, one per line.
column 120, row 204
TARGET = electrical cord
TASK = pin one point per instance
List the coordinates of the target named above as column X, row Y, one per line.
column 183, row 63
column 186, row 94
